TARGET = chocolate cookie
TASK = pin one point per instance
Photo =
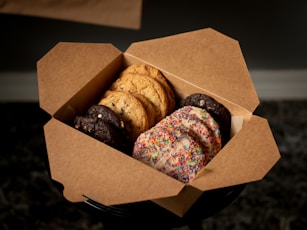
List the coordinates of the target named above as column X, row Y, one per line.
column 112, row 136
column 106, row 114
column 103, row 124
column 217, row 110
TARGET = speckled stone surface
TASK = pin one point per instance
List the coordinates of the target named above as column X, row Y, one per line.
column 29, row 200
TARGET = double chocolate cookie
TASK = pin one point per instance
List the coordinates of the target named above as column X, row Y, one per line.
column 103, row 124
column 217, row 110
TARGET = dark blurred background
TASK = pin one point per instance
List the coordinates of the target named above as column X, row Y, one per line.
column 272, row 35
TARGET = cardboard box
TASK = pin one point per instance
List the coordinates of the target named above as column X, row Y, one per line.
column 116, row 13
column 72, row 76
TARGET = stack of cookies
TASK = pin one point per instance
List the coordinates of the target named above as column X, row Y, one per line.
column 141, row 97
column 136, row 101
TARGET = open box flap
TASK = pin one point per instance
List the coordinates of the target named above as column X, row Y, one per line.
column 89, row 167
column 67, row 68
column 248, row 157
column 117, row 13
column 204, row 58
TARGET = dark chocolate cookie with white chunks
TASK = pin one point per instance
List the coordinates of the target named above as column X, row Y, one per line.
column 110, row 135
column 217, row 110
column 104, row 125
column 104, row 113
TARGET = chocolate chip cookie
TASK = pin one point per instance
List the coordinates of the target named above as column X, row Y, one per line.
column 147, row 70
column 129, row 109
column 149, row 108
column 146, row 86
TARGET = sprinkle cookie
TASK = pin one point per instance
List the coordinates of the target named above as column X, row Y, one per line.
column 181, row 144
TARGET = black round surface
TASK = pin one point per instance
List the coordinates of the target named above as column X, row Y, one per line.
column 141, row 215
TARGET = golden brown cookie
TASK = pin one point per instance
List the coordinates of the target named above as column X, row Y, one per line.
column 148, row 106
column 129, row 109
column 147, row 70
column 146, row 86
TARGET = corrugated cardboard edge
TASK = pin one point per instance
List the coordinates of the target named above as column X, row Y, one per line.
column 116, row 13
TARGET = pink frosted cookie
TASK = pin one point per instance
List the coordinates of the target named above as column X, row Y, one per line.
column 180, row 144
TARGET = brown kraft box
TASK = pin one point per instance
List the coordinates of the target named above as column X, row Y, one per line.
column 116, row 13
column 73, row 76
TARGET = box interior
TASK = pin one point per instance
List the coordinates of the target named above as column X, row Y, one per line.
column 92, row 92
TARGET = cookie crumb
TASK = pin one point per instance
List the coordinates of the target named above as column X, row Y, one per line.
column 122, row 124
column 201, row 102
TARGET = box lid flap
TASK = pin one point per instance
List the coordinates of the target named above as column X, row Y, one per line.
column 248, row 157
column 66, row 68
column 118, row 13
column 204, row 58
column 89, row 167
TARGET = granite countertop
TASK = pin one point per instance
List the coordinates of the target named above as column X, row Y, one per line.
column 29, row 200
